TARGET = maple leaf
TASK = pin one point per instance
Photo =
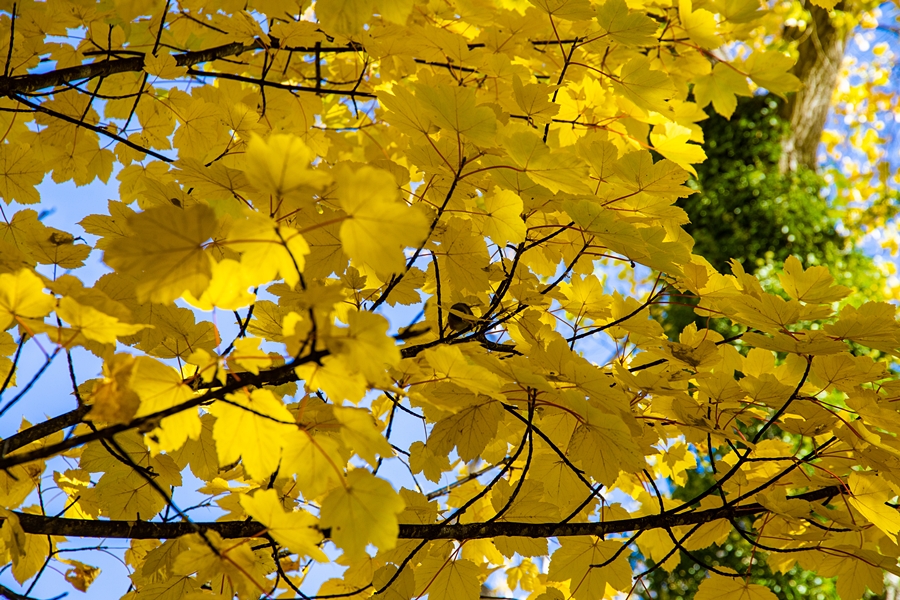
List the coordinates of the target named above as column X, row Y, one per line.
column 869, row 495
column 378, row 226
column 624, row 26
column 362, row 511
column 267, row 250
column 672, row 142
column 647, row 88
column 721, row 87
column 815, row 285
column 732, row 588
column 92, row 323
column 245, row 428
column 165, row 251
column 279, row 166
column 20, row 173
column 22, row 297
column 296, row 530
column 769, row 70
column 453, row 108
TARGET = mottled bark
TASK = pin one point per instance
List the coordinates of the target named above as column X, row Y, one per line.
column 820, row 52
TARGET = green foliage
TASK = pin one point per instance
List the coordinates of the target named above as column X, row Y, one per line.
column 747, row 210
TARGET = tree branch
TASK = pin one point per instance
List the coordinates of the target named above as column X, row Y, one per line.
column 39, row 524
column 276, row 376
column 24, row 84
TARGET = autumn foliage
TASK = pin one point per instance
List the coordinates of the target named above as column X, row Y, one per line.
column 307, row 197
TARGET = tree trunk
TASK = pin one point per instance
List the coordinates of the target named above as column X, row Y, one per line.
column 821, row 50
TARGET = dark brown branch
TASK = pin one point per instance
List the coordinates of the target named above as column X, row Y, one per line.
column 281, row 86
column 273, row 377
column 276, row 376
column 42, row 430
column 80, row 123
column 650, row 300
column 39, row 524
column 24, row 84
column 7, row 593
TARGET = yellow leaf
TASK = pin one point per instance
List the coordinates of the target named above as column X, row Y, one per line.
column 80, row 576
column 294, row 529
column 534, row 100
column 280, row 166
column 814, row 285
column 227, row 289
column 647, row 88
column 361, row 512
column 93, row 324
column 574, row 561
column 113, row 400
column 604, row 445
column 770, row 70
column 804, row 342
column 20, row 173
column 267, row 249
column 159, row 387
column 359, row 434
column 699, row 24
column 423, row 459
column 395, row 11
column 448, row 580
column 199, row 134
column 248, row 355
column 165, row 251
column 232, row 565
column 251, row 426
column 585, row 297
column 503, row 217
column 367, row 346
column 870, row 494
column 845, row 372
column 469, row 430
column 453, row 108
column 671, row 141
column 164, row 66
column 405, row 112
column 335, row 378
column 316, row 461
column 28, row 552
column 721, row 87
column 558, row 170
column 452, row 365
column 22, row 297
column 344, row 16
column 856, row 569
column 626, row 27
column 463, row 257
column 872, row 325
column 402, row 588
column 571, row 10
column 378, row 226
column 719, row 587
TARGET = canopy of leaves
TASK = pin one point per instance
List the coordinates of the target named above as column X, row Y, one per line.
column 342, row 179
